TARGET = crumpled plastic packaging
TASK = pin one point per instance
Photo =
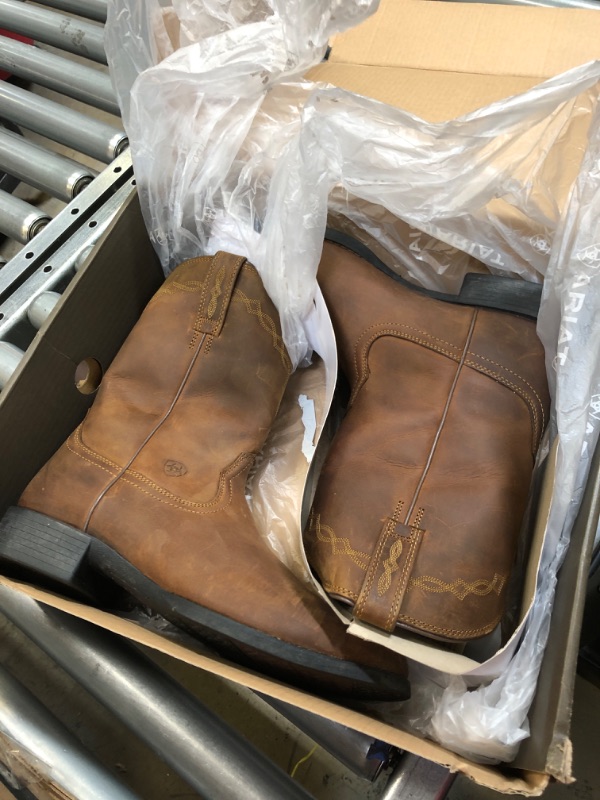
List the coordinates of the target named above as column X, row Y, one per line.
column 233, row 150
column 209, row 124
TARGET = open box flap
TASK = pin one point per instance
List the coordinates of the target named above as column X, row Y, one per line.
column 442, row 60
column 486, row 39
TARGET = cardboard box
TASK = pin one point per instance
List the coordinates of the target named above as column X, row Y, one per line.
column 41, row 406
column 437, row 60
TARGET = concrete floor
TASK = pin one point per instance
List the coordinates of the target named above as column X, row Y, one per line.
column 320, row 774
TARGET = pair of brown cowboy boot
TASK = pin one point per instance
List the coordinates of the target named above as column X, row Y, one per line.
column 423, row 490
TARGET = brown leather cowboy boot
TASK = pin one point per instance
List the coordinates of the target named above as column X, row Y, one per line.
column 150, row 489
column 418, row 508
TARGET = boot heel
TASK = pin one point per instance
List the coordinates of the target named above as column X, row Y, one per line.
column 41, row 550
column 488, row 291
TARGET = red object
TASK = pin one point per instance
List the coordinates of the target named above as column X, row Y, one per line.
column 4, row 75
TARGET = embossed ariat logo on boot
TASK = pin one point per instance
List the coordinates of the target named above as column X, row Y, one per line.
column 174, row 469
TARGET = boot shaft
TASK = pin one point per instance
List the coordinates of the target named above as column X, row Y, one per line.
column 192, row 392
column 153, row 483
column 418, row 508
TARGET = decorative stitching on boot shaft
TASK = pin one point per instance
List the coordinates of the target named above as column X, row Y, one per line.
column 451, row 632
column 459, row 587
column 215, row 293
column 415, row 540
column 538, row 428
column 339, row 544
column 390, row 565
column 445, row 412
column 196, row 328
column 112, row 472
column 332, row 588
column 224, row 482
column 77, row 438
column 184, row 505
column 172, row 287
column 520, row 377
column 418, row 518
column 426, row 334
column 178, row 505
column 254, row 307
column 536, row 431
column 389, row 329
column 393, row 329
column 223, row 266
column 240, row 463
column 366, row 589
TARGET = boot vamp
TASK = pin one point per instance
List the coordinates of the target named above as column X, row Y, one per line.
column 217, row 559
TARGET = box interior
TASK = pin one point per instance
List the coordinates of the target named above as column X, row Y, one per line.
column 41, row 406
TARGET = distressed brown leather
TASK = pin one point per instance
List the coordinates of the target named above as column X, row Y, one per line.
column 418, row 508
column 158, row 468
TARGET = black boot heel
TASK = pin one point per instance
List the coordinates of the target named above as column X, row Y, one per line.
column 489, row 291
column 41, row 550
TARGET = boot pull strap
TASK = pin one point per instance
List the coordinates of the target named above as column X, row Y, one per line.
column 216, row 292
column 388, row 574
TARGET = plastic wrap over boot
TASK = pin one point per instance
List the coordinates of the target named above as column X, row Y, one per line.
column 417, row 512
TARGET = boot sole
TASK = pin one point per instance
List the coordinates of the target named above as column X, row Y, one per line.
column 50, row 553
column 486, row 291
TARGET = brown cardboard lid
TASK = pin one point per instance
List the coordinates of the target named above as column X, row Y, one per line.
column 484, row 39
column 432, row 95
column 440, row 60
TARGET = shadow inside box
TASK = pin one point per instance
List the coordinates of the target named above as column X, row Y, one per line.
column 588, row 664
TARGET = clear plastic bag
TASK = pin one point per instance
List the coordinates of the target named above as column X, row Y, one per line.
column 208, row 125
column 233, row 150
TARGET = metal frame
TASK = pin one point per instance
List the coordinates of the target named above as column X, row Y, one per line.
column 51, row 257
